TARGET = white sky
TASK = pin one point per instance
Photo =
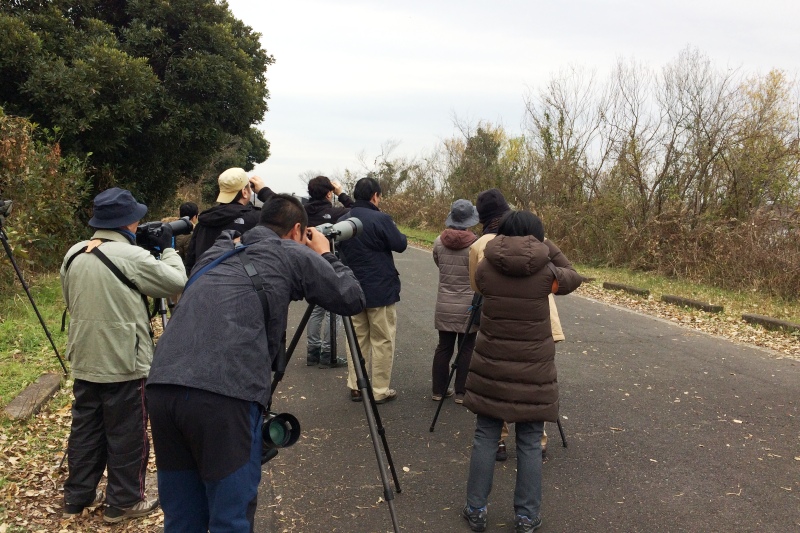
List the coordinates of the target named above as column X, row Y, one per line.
column 351, row 75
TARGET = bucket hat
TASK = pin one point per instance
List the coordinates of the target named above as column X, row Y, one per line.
column 462, row 215
column 114, row 208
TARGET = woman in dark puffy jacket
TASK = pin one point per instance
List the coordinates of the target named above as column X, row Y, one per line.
column 512, row 375
column 453, row 300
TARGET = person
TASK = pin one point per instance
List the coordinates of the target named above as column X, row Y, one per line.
column 369, row 254
column 110, row 348
column 492, row 206
column 321, row 210
column 187, row 209
column 233, row 212
column 210, row 380
column 512, row 376
column 453, row 300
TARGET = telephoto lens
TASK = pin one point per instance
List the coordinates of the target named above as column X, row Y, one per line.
column 279, row 430
column 341, row 231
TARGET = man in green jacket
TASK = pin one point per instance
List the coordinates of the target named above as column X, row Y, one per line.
column 105, row 282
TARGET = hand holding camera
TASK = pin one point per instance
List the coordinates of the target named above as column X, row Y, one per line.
column 317, row 241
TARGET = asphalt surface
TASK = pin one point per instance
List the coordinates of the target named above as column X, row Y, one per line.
column 668, row 430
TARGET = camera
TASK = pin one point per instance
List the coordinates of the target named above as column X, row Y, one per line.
column 149, row 233
column 279, row 430
column 5, row 210
column 341, row 231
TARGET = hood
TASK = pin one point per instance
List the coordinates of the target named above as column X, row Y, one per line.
column 457, row 239
column 517, row 256
column 223, row 214
column 314, row 207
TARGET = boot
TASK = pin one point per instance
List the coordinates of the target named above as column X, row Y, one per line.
column 313, row 355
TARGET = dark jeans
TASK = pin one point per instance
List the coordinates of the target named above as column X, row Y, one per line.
column 528, row 489
column 208, row 454
column 441, row 361
column 109, row 430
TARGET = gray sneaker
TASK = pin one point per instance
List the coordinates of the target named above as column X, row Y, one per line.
column 113, row 515
column 523, row 524
column 476, row 519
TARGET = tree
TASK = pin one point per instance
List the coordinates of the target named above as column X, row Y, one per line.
column 155, row 93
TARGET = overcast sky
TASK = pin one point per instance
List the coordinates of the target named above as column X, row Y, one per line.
column 351, row 75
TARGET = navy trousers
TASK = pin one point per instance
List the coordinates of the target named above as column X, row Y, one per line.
column 208, row 454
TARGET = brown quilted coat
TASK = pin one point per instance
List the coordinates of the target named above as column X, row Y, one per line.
column 512, row 375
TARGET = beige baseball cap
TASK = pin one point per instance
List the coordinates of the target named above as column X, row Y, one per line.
column 230, row 183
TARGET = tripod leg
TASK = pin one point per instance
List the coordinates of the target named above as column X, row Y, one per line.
column 281, row 370
column 561, row 432
column 373, row 419
column 162, row 310
column 7, row 248
column 332, row 339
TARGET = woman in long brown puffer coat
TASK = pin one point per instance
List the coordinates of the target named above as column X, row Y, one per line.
column 512, row 375
column 453, row 300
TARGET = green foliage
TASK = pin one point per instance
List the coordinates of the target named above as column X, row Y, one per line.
column 153, row 93
column 25, row 351
column 48, row 191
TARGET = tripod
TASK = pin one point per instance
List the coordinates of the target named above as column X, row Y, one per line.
column 474, row 319
column 161, row 309
column 370, row 408
column 5, row 210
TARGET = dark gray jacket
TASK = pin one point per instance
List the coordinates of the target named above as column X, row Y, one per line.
column 217, row 340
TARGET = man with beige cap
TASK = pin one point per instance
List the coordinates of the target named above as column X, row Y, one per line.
column 235, row 211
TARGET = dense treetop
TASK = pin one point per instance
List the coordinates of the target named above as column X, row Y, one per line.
column 153, row 92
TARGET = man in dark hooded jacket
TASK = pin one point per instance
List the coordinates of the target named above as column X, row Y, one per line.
column 235, row 211
column 321, row 210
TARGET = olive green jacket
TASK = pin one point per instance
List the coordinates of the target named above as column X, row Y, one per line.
column 109, row 331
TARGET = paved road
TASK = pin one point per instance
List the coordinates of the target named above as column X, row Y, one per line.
column 668, row 430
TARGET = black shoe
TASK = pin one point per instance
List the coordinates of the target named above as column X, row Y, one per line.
column 501, row 454
column 72, row 509
column 523, row 524
column 328, row 364
column 313, row 356
column 355, row 395
column 477, row 518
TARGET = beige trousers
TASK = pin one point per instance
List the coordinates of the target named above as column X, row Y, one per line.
column 375, row 330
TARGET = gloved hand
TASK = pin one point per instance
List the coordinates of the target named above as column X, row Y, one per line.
column 164, row 239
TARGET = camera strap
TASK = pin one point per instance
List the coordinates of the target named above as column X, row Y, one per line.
column 249, row 268
column 116, row 271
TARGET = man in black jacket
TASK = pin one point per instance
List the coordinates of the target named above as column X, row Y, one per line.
column 369, row 255
column 210, row 378
column 320, row 210
column 235, row 211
